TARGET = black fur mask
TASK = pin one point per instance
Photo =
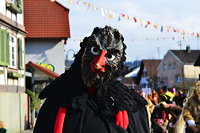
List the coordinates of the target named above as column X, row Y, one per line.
column 109, row 41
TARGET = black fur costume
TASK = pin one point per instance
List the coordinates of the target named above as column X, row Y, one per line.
column 92, row 113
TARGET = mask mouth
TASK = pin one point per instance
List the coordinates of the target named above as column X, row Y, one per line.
column 97, row 69
column 98, row 64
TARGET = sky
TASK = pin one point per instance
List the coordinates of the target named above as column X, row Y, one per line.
column 142, row 43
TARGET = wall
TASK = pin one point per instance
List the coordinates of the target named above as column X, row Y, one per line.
column 171, row 73
column 48, row 51
column 191, row 72
column 2, row 6
column 13, row 108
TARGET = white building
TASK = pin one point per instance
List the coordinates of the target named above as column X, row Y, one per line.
column 13, row 100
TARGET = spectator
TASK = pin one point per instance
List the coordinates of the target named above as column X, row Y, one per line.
column 191, row 113
column 179, row 98
column 159, row 119
column 167, row 96
column 149, row 106
column 154, row 97
column 2, row 129
column 173, row 111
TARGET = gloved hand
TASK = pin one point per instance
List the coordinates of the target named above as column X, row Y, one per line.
column 191, row 122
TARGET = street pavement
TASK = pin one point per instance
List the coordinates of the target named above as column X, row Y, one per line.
column 27, row 131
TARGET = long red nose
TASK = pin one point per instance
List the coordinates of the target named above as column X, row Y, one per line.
column 98, row 63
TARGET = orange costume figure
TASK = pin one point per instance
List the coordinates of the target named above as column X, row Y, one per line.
column 154, row 97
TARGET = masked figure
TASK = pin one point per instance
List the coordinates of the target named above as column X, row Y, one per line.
column 88, row 98
column 189, row 121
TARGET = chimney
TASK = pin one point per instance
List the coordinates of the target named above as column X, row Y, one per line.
column 188, row 49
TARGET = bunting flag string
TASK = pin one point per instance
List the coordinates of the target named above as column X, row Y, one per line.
column 145, row 39
column 142, row 22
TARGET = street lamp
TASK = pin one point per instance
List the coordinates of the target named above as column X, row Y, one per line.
column 67, row 58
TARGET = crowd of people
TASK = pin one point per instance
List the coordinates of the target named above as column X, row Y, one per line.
column 172, row 111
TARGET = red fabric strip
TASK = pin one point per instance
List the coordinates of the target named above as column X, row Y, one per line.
column 58, row 127
column 122, row 119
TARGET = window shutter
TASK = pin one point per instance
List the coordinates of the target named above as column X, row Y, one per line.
column 20, row 54
column 7, row 59
column 1, row 47
column 4, row 47
column 19, row 3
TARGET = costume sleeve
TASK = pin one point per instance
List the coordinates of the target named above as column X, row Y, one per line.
column 151, row 105
column 47, row 117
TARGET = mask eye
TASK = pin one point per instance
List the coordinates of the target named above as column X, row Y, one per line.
column 110, row 57
column 95, row 50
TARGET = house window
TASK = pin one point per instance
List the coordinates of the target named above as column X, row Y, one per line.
column 14, row 1
column 14, row 6
column 13, row 51
column 164, row 67
column 145, row 74
column 169, row 66
column 174, row 66
column 177, row 79
column 144, row 85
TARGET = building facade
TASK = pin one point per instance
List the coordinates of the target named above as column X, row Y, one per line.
column 13, row 100
column 177, row 68
column 148, row 74
column 47, row 24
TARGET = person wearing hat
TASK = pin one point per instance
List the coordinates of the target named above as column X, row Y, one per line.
column 166, row 96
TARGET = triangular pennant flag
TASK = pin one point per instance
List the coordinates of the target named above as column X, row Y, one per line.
column 77, row 2
column 161, row 29
column 102, row 12
column 155, row 26
column 114, row 15
column 168, row 28
column 93, row 7
column 68, row 1
column 128, row 17
column 198, row 35
column 123, row 15
column 118, row 17
column 183, row 32
column 110, row 14
column 177, row 30
column 141, row 22
column 74, row 2
column 174, row 30
column 88, row 5
column 135, row 19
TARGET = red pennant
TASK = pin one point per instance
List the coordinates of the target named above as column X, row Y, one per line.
column 135, row 19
